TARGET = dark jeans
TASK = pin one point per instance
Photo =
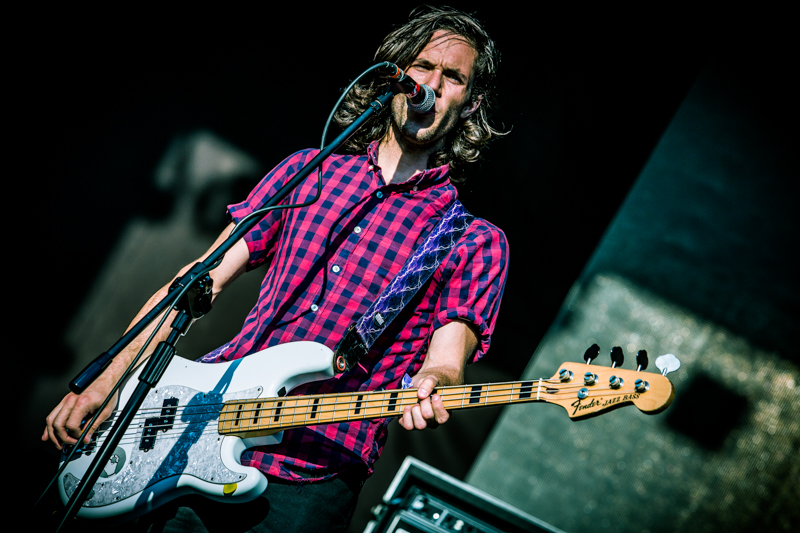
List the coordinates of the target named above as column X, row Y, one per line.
column 286, row 506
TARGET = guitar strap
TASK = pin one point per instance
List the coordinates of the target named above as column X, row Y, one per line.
column 419, row 267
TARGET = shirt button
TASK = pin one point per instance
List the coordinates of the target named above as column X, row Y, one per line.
column 414, row 188
column 314, row 307
column 379, row 194
column 371, row 167
column 336, row 268
column 357, row 229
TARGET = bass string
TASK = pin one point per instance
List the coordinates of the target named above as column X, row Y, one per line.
column 370, row 396
column 299, row 403
column 288, row 418
column 406, row 398
column 131, row 436
column 446, row 392
column 337, row 402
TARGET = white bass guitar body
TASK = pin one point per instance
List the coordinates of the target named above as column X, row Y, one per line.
column 173, row 447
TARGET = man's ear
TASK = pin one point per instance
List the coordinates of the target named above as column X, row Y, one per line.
column 471, row 107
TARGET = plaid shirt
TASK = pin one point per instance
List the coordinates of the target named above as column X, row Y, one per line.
column 328, row 262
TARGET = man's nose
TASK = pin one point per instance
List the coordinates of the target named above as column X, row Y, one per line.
column 434, row 81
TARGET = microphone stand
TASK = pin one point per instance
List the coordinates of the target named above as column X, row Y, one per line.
column 194, row 305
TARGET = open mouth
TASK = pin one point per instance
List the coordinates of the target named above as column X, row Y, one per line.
column 430, row 113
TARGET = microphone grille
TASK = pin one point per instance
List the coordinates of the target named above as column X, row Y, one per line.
column 425, row 105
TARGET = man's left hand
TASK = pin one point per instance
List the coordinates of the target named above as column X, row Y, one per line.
column 451, row 346
column 430, row 411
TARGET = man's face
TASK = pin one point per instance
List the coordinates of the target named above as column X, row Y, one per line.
column 446, row 66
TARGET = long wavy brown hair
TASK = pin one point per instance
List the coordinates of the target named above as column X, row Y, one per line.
column 401, row 47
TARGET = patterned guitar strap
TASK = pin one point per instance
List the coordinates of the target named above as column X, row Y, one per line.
column 415, row 272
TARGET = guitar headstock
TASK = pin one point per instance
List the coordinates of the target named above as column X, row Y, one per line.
column 586, row 390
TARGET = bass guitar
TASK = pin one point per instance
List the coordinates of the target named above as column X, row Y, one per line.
column 190, row 432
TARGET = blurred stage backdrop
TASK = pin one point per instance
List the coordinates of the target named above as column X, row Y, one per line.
column 648, row 189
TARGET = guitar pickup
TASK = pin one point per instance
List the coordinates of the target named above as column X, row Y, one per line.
column 164, row 422
column 168, row 413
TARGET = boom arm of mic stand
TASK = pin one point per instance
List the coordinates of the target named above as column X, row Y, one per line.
column 88, row 375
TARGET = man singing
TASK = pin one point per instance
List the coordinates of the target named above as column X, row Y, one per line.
column 327, row 263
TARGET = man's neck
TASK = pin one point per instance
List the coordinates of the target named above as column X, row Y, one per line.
column 399, row 160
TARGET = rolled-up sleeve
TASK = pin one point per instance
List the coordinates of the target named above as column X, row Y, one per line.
column 473, row 278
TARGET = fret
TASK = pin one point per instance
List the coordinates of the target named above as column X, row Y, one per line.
column 299, row 410
column 383, row 403
column 346, row 403
column 225, row 423
column 247, row 416
column 223, row 418
column 500, row 394
column 451, row 399
column 333, row 411
column 293, row 410
column 495, row 394
column 327, row 409
column 374, row 407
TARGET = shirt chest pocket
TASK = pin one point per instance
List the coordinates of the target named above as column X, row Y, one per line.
column 378, row 263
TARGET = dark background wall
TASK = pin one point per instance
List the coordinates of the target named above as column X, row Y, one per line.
column 697, row 263
column 586, row 96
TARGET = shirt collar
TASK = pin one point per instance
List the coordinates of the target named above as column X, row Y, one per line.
column 426, row 177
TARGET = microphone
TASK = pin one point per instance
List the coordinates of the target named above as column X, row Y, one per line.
column 420, row 97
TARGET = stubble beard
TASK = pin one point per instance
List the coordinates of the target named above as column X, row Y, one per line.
column 418, row 133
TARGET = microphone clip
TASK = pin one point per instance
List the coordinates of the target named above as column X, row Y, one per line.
column 421, row 98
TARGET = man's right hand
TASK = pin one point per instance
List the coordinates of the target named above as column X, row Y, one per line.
column 65, row 423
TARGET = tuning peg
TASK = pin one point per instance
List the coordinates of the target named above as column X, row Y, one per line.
column 591, row 353
column 616, row 357
column 641, row 360
column 667, row 363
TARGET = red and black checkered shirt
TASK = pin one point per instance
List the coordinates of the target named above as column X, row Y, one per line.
column 328, row 262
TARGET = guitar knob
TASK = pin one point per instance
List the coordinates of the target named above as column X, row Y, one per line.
column 641, row 360
column 667, row 363
column 616, row 382
column 641, row 385
column 565, row 375
column 589, row 378
column 616, row 357
column 591, row 354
